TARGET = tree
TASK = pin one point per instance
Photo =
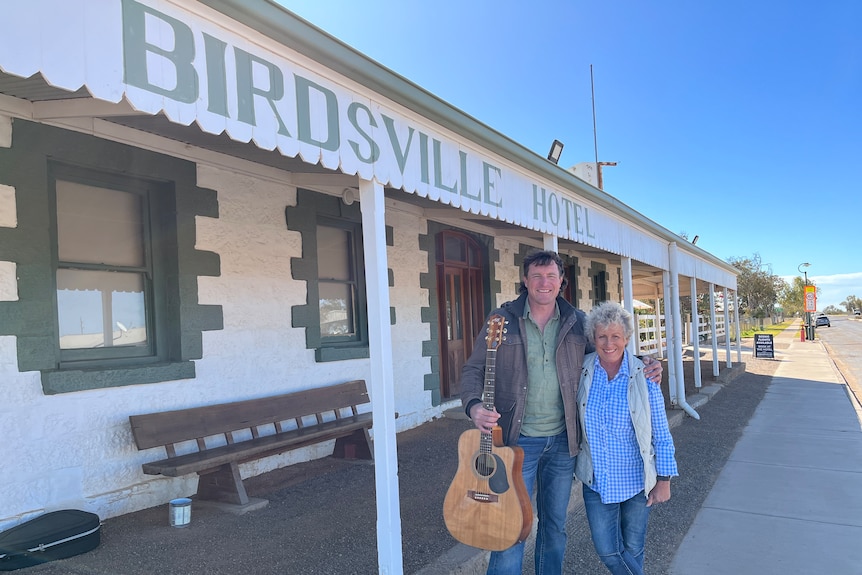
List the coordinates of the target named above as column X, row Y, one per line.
column 851, row 302
column 757, row 288
column 792, row 296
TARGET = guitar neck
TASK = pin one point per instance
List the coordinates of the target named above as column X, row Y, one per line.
column 490, row 372
column 486, row 440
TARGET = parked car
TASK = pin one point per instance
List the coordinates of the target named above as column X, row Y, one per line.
column 823, row 320
column 856, row 312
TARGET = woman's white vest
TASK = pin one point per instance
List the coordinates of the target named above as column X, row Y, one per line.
column 639, row 408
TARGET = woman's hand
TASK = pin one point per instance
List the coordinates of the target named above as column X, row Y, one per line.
column 659, row 494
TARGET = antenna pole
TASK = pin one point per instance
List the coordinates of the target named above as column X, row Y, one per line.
column 595, row 138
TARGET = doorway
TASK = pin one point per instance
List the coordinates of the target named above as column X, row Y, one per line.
column 460, row 289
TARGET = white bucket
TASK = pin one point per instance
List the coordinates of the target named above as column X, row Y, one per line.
column 180, row 512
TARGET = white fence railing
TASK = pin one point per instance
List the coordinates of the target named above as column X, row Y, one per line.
column 651, row 336
column 651, row 333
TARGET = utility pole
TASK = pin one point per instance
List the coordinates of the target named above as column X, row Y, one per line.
column 807, row 318
column 595, row 135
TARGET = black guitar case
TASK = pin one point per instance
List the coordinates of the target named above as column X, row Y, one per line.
column 54, row 535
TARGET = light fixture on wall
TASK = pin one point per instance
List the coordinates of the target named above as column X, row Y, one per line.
column 556, row 151
column 348, row 196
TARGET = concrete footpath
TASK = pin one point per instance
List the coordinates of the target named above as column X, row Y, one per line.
column 789, row 499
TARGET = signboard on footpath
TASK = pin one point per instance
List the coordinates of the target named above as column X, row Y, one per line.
column 764, row 345
column 810, row 299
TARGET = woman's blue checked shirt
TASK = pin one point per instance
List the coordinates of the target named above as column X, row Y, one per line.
column 618, row 468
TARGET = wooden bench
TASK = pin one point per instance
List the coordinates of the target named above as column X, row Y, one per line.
column 253, row 429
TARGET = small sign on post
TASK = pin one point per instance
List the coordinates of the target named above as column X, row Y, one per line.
column 810, row 299
column 764, row 346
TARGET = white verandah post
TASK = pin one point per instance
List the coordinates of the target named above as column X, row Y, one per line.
column 670, row 331
column 389, row 549
column 727, row 329
column 736, row 327
column 676, row 355
column 695, row 330
column 658, row 312
column 713, row 331
column 628, row 303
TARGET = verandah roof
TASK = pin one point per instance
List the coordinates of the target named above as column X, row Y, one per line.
column 243, row 69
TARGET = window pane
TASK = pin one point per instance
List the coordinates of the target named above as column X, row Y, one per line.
column 453, row 249
column 100, row 309
column 98, row 225
column 458, row 311
column 474, row 257
column 336, row 309
column 333, row 250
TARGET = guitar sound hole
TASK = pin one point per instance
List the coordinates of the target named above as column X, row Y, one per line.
column 485, row 464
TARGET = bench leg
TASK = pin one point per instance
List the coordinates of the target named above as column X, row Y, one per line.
column 224, row 484
column 357, row 445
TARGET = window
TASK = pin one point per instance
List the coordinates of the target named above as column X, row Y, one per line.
column 107, row 281
column 81, row 273
column 570, row 292
column 335, row 315
column 338, row 290
column 600, row 287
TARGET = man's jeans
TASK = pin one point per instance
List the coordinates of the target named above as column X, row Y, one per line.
column 548, row 466
column 619, row 531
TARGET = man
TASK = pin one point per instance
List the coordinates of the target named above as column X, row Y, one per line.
column 538, row 367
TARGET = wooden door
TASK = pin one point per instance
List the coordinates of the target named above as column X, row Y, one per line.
column 460, row 290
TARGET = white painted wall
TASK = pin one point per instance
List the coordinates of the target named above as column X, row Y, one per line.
column 507, row 273
column 408, row 263
column 76, row 449
column 8, row 210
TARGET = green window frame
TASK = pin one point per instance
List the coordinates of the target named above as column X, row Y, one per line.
column 600, row 286
column 312, row 216
column 42, row 153
column 111, row 261
column 341, row 294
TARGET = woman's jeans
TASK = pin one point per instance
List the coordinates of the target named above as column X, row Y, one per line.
column 619, row 531
column 548, row 466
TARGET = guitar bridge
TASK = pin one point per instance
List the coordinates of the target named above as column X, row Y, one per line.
column 482, row 497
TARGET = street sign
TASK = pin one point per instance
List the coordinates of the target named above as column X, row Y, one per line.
column 763, row 345
column 810, row 299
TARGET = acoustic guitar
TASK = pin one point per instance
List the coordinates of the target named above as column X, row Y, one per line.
column 487, row 505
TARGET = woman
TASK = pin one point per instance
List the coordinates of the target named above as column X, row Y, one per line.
column 627, row 454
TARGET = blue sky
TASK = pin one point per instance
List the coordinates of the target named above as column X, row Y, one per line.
column 739, row 122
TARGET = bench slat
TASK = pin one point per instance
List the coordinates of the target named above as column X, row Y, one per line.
column 160, row 429
column 217, row 465
column 245, row 450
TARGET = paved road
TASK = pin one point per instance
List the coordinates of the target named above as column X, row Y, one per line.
column 843, row 341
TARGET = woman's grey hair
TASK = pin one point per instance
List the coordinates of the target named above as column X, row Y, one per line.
column 605, row 314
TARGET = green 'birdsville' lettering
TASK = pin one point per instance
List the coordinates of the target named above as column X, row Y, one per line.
column 323, row 128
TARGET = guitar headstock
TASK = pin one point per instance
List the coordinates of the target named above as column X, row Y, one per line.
column 496, row 331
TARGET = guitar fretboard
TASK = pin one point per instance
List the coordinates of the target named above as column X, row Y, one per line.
column 486, row 441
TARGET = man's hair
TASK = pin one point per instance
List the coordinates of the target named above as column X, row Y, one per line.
column 606, row 314
column 543, row 258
